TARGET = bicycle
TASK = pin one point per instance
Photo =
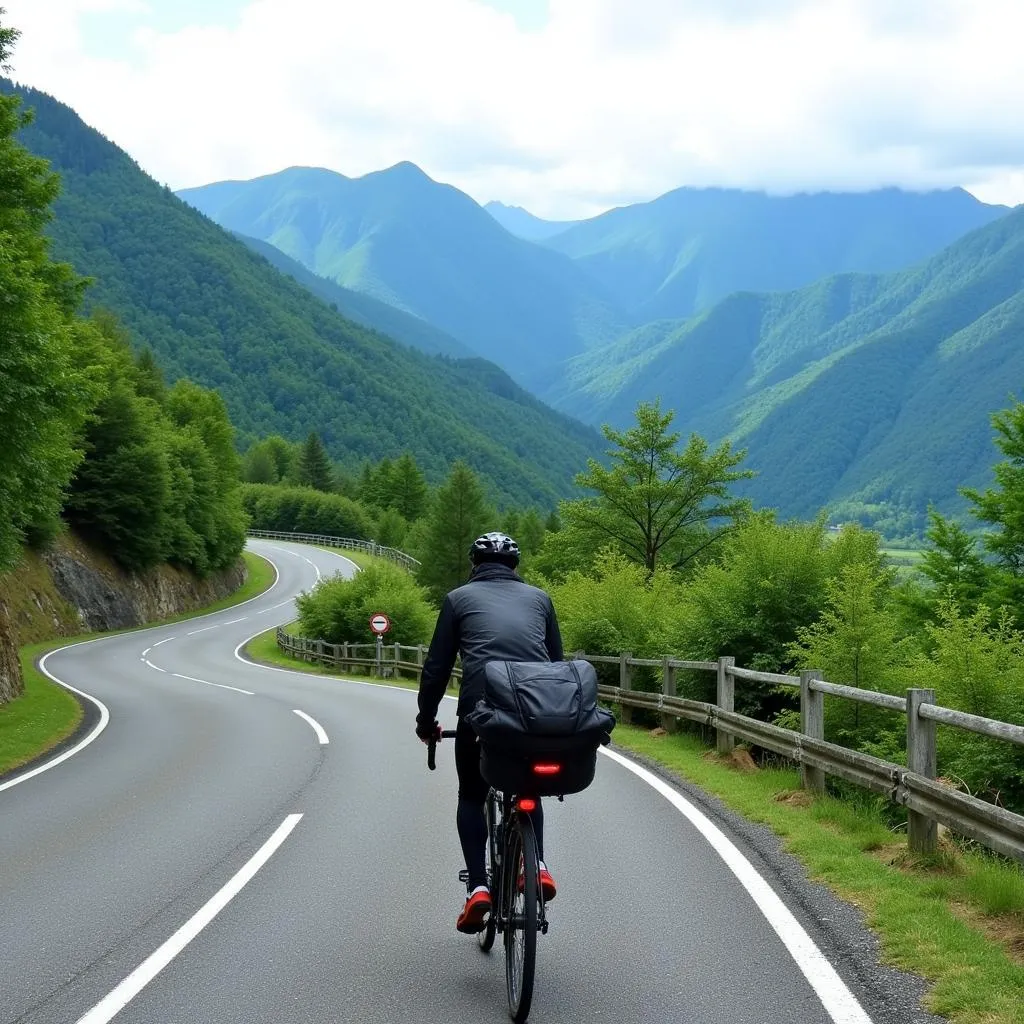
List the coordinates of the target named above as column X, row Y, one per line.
column 517, row 907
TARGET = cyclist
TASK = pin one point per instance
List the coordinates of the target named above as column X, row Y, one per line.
column 495, row 616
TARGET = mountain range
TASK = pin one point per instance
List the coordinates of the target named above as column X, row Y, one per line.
column 857, row 391
column 282, row 359
column 852, row 384
column 429, row 250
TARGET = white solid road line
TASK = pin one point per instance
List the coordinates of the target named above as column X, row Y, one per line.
column 317, row 727
column 206, row 682
column 100, row 725
column 115, row 1001
column 839, row 1002
column 104, row 713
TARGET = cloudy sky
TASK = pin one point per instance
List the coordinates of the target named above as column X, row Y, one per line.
column 566, row 107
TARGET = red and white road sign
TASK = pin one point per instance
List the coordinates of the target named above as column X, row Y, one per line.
column 380, row 623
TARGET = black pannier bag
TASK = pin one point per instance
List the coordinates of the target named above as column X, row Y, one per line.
column 539, row 726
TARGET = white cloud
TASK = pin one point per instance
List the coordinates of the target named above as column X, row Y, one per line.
column 609, row 102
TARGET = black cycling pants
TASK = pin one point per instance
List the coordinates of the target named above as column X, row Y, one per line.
column 470, row 818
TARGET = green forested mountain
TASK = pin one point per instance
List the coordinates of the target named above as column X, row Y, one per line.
column 681, row 253
column 524, row 224
column 428, row 249
column 363, row 309
column 857, row 391
column 282, row 360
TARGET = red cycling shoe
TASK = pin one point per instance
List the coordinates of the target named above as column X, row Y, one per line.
column 478, row 906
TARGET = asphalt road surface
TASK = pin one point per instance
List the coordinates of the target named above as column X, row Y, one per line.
column 236, row 843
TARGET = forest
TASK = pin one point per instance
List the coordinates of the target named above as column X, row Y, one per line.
column 657, row 555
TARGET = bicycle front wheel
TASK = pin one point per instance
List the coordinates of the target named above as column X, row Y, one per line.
column 520, row 874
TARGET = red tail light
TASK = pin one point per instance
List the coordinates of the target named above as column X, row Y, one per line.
column 547, row 769
column 527, row 804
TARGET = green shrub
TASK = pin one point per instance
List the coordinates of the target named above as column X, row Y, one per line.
column 339, row 610
column 303, row 510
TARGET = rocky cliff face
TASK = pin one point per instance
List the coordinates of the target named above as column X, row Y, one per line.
column 73, row 589
column 106, row 597
column 10, row 670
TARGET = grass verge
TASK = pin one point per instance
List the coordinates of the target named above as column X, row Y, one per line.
column 957, row 920
column 46, row 713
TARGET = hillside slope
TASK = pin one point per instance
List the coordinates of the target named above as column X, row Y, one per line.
column 862, row 388
column 428, row 249
column 283, row 361
column 684, row 251
column 363, row 309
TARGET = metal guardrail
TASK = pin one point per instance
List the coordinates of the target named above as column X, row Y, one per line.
column 353, row 544
column 913, row 785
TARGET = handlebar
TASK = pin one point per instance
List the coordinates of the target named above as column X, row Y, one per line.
column 432, row 746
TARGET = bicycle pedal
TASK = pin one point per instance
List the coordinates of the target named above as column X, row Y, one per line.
column 464, row 876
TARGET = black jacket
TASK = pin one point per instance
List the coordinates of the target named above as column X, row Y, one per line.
column 493, row 617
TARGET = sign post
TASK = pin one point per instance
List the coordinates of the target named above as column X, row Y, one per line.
column 380, row 624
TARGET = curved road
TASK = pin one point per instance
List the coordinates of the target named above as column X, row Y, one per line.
column 208, row 857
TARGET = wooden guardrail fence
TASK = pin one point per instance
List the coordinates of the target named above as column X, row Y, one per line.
column 913, row 785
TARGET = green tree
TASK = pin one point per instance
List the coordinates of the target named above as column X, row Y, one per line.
column 44, row 392
column 404, row 488
column 458, row 515
column 1003, row 505
column 510, row 523
column 975, row 663
column 857, row 642
column 655, row 502
column 952, row 563
column 149, row 378
column 259, row 466
column 314, row 467
column 284, row 454
column 391, row 529
column 215, row 512
column 531, row 532
column 120, row 494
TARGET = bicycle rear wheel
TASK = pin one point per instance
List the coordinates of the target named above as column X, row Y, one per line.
column 520, row 862
column 486, row 937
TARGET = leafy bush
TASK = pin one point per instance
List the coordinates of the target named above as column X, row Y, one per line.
column 303, row 510
column 339, row 610
column 978, row 667
column 619, row 607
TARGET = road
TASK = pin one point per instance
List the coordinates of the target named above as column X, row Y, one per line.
column 208, row 857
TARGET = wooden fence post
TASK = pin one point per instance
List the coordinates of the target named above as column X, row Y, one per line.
column 420, row 654
column 668, row 688
column 345, row 664
column 726, row 694
column 812, row 724
column 921, row 758
column 624, row 684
